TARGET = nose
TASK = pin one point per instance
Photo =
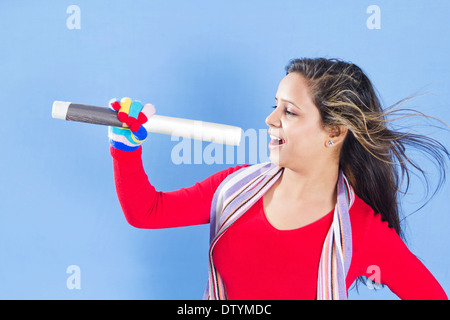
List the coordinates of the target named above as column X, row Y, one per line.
column 273, row 120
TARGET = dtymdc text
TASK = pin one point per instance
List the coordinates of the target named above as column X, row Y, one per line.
column 226, row 309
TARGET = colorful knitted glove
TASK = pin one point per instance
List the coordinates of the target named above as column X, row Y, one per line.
column 134, row 115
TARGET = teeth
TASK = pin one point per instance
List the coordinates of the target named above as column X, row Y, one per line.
column 276, row 138
column 279, row 140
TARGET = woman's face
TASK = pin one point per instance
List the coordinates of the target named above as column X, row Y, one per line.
column 296, row 120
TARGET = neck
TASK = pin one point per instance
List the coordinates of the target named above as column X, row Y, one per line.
column 317, row 185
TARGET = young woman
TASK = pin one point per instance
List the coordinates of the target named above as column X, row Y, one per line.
column 323, row 213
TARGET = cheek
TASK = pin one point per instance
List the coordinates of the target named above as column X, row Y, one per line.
column 308, row 137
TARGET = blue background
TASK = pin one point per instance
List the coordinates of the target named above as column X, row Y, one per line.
column 218, row 61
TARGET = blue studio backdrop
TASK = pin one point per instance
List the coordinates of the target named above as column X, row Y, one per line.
column 62, row 232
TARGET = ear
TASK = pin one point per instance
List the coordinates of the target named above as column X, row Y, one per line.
column 337, row 134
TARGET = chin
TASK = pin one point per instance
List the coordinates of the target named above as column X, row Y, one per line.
column 275, row 159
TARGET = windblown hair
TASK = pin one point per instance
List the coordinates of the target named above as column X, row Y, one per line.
column 373, row 156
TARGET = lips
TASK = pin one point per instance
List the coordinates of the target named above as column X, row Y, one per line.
column 275, row 139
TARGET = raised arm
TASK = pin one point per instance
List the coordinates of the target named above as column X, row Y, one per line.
column 144, row 207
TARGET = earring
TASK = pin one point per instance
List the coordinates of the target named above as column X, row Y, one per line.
column 331, row 143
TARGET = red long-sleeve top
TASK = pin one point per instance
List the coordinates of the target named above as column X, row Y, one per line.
column 258, row 261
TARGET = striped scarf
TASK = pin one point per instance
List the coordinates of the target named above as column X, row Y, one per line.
column 243, row 188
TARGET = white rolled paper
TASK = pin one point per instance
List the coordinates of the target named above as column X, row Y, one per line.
column 180, row 127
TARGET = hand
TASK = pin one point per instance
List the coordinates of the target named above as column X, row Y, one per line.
column 134, row 115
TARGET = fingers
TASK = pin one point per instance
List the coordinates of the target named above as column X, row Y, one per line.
column 122, row 107
column 147, row 111
column 135, row 109
column 129, row 113
column 139, row 115
column 125, row 104
column 132, row 120
column 140, row 134
column 133, row 114
column 114, row 105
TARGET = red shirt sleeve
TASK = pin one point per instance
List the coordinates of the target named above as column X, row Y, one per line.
column 144, row 207
column 386, row 259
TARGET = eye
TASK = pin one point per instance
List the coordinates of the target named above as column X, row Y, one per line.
column 289, row 113
column 286, row 111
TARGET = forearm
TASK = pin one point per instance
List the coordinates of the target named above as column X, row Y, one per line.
column 411, row 280
column 401, row 270
column 144, row 207
column 135, row 193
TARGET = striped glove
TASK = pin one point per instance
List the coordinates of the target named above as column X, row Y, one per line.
column 134, row 115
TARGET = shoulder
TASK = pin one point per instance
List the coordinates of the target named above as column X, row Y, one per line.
column 368, row 225
column 226, row 172
column 374, row 242
column 242, row 174
column 246, row 170
column 218, row 177
column 362, row 215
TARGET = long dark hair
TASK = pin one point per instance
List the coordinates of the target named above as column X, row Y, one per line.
column 373, row 156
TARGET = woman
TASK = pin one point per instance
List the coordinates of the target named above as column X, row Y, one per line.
column 323, row 213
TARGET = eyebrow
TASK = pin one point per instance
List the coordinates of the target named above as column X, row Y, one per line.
column 276, row 99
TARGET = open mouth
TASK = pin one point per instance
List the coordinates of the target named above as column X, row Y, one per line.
column 276, row 141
